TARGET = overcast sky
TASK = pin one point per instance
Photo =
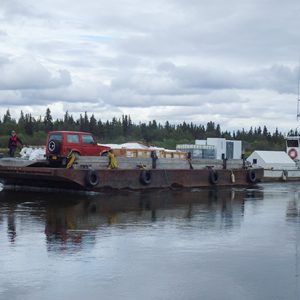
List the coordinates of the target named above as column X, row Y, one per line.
column 232, row 62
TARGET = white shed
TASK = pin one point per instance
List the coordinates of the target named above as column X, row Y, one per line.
column 220, row 146
column 271, row 160
column 231, row 149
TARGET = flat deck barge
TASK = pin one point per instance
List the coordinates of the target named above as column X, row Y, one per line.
column 135, row 179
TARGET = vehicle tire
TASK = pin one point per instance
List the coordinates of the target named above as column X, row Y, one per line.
column 213, row 177
column 91, row 178
column 64, row 162
column 53, row 146
column 251, row 176
column 54, row 163
column 146, row 177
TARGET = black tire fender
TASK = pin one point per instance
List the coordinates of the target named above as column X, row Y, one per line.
column 213, row 177
column 146, row 177
column 91, row 178
column 251, row 176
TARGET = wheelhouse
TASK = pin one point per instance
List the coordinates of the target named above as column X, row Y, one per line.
column 293, row 147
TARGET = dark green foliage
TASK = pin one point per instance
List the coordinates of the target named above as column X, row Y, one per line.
column 34, row 131
column 48, row 121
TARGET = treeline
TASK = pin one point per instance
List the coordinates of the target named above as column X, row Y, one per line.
column 118, row 130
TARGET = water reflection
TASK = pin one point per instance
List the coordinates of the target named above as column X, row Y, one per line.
column 293, row 209
column 188, row 244
column 11, row 224
column 71, row 220
column 293, row 219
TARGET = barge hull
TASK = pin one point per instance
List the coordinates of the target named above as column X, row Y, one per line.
column 135, row 179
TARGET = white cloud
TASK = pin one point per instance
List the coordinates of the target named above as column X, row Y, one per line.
column 26, row 73
column 233, row 62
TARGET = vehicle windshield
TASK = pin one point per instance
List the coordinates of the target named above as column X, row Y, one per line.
column 56, row 137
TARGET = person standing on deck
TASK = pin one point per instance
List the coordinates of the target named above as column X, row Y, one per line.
column 13, row 143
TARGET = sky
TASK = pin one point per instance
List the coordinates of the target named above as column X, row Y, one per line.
column 232, row 62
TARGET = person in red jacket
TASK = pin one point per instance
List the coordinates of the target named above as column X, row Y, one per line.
column 13, row 143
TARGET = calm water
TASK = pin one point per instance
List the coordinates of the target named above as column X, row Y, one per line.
column 225, row 244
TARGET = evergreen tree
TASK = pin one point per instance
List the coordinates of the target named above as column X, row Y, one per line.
column 48, row 121
column 29, row 124
column 7, row 117
column 93, row 124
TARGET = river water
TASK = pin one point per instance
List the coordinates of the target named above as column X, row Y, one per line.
column 196, row 244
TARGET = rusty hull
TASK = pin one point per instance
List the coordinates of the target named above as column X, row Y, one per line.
column 122, row 178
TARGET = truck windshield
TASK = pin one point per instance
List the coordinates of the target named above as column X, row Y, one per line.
column 56, row 137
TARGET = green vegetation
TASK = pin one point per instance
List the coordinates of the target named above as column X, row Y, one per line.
column 34, row 131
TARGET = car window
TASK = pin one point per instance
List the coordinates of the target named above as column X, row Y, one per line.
column 72, row 138
column 88, row 139
column 56, row 137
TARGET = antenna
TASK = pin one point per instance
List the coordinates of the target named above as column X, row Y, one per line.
column 298, row 101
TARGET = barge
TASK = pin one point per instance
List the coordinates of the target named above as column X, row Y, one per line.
column 92, row 177
column 73, row 160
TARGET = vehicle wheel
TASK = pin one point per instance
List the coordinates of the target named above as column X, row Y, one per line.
column 53, row 146
column 64, row 162
column 54, row 163
column 77, row 155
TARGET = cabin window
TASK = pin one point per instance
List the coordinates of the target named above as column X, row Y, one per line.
column 292, row 143
column 73, row 138
column 56, row 137
column 88, row 139
column 254, row 161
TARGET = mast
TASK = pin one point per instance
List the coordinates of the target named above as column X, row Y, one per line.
column 298, row 101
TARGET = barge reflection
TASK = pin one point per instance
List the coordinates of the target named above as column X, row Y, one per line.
column 163, row 244
column 72, row 220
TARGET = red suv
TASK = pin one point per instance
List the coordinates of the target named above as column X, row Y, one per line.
column 61, row 143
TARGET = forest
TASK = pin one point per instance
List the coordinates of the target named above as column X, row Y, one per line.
column 33, row 131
